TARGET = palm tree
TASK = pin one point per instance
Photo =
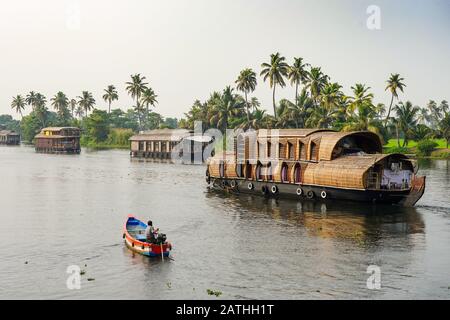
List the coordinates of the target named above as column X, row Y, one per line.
column 246, row 82
column 298, row 74
column 394, row 83
column 275, row 71
column 86, row 101
column 73, row 105
column 316, row 82
column 79, row 111
column 30, row 99
column 330, row 95
column 135, row 88
column 225, row 108
column 60, row 102
column 18, row 104
column 407, row 119
column 299, row 111
column 149, row 98
column 110, row 95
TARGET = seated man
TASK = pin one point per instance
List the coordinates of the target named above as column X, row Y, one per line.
column 150, row 232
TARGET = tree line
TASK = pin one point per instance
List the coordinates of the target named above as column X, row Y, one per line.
column 81, row 112
column 319, row 102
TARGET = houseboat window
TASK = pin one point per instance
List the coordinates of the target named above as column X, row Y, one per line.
column 291, row 154
column 248, row 170
column 141, row 145
column 222, row 170
column 261, row 151
column 314, row 152
column 297, row 173
column 302, row 150
column 258, row 171
column 239, row 170
column 269, row 149
column 268, row 172
column 284, row 173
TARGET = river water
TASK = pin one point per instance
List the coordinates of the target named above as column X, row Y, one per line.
column 62, row 210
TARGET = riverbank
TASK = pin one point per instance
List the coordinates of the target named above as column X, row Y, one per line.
column 439, row 152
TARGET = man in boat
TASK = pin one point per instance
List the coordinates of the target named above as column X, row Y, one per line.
column 150, row 232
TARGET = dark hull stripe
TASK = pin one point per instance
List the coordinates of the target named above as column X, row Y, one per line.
column 284, row 190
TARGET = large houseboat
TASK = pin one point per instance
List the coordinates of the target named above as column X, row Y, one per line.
column 316, row 164
column 58, row 140
column 9, row 137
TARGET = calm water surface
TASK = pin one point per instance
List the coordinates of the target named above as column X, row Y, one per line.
column 61, row 210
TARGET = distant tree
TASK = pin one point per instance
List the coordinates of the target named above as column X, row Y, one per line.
column 394, row 83
column 298, row 74
column 97, row 125
column 246, row 82
column 275, row 71
column 18, row 104
column 444, row 128
column 110, row 95
column 406, row 119
column 135, row 88
column 86, row 101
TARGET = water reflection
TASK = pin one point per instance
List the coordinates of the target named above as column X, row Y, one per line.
column 344, row 220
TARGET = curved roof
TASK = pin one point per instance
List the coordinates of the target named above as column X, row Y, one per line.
column 329, row 142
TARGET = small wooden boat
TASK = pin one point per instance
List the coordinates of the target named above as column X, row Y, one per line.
column 134, row 236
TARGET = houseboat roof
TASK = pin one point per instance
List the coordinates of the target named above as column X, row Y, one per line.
column 286, row 133
column 8, row 133
column 56, row 129
column 162, row 134
column 59, row 128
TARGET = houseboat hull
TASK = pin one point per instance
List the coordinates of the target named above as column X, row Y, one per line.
column 406, row 197
column 58, row 151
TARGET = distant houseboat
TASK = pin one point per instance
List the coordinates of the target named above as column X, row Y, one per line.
column 9, row 137
column 314, row 163
column 58, row 140
column 165, row 143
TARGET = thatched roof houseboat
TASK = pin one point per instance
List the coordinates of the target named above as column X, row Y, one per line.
column 167, row 143
column 58, row 140
column 9, row 137
column 316, row 163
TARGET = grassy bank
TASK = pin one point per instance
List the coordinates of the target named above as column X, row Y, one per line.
column 439, row 152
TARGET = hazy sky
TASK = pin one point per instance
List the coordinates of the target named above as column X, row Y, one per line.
column 187, row 49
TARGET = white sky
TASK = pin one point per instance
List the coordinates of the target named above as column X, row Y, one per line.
column 187, row 49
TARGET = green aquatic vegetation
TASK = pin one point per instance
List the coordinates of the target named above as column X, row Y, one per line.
column 214, row 293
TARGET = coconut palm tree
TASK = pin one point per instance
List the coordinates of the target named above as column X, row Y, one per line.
column 330, row 95
column 110, row 95
column 79, row 111
column 316, row 82
column 275, row 71
column 148, row 98
column 407, row 119
column 394, row 83
column 18, row 104
column 86, row 101
column 61, row 103
column 30, row 99
column 73, row 105
column 224, row 108
column 297, row 74
column 300, row 110
column 135, row 88
column 246, row 82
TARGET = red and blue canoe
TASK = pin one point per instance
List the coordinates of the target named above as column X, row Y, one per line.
column 134, row 235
